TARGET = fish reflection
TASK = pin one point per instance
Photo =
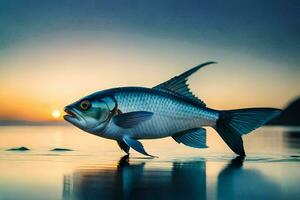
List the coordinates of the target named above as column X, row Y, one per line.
column 235, row 182
column 185, row 180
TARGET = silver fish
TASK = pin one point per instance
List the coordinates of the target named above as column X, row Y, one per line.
column 170, row 109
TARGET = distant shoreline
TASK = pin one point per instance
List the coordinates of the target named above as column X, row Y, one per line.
column 31, row 123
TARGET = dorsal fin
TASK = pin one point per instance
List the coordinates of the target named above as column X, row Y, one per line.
column 178, row 84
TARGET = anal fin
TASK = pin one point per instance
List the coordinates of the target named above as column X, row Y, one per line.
column 193, row 138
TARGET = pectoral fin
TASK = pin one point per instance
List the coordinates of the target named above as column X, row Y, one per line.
column 193, row 138
column 136, row 145
column 131, row 119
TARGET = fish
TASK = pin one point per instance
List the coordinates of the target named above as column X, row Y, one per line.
column 170, row 109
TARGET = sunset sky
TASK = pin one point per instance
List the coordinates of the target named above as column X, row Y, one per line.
column 55, row 52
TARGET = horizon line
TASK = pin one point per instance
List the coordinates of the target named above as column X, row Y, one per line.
column 17, row 122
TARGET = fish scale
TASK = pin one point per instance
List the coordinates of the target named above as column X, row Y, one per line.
column 166, row 109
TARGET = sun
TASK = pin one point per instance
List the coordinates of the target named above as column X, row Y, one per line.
column 56, row 114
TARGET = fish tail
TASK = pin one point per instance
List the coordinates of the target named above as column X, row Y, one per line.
column 232, row 124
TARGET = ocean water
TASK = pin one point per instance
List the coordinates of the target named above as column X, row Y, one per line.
column 97, row 169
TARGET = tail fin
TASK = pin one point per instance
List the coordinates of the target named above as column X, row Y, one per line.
column 232, row 124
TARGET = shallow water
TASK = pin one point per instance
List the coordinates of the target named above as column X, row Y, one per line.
column 97, row 169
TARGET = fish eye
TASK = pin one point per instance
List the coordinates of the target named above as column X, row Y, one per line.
column 85, row 105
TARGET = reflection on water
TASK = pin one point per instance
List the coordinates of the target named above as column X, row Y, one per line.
column 132, row 181
column 95, row 169
column 234, row 182
column 185, row 180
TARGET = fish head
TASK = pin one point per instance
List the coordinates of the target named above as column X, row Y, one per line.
column 88, row 113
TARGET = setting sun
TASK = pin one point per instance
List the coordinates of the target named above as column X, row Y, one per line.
column 56, row 114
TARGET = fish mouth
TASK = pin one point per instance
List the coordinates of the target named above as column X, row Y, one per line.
column 70, row 114
column 74, row 117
